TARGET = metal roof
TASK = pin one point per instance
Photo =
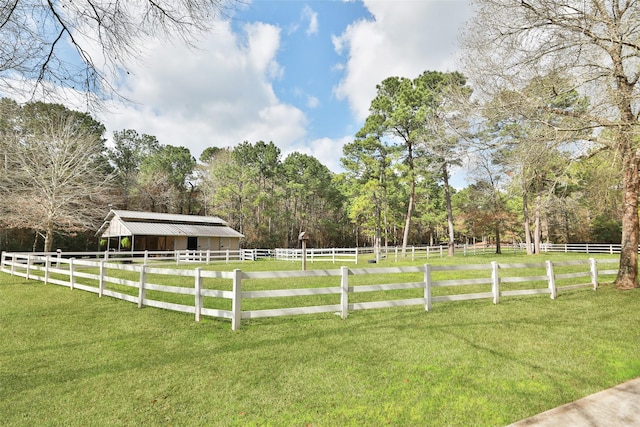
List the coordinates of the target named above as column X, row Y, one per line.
column 125, row 215
column 158, row 229
column 162, row 224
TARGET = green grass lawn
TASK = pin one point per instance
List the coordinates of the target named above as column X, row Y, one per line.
column 70, row 358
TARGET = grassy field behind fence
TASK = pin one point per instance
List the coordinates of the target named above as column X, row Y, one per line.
column 70, row 358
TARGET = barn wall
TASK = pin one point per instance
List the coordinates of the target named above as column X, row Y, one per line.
column 180, row 243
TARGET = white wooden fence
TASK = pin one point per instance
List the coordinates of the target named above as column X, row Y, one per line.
column 92, row 276
column 319, row 254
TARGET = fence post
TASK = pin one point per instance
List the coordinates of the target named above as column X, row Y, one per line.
column 413, row 253
column 208, row 256
column 13, row 263
column 427, row 287
column 344, row 292
column 594, row 273
column 106, row 255
column 71, row 278
column 464, row 250
column 495, row 282
column 356, row 255
column 28, row 266
column 552, row 279
column 142, row 292
column 101, row 280
column 396, row 254
column 440, row 251
column 59, row 257
column 47, row 266
column 236, row 302
column 227, row 254
column 146, row 256
column 198, row 292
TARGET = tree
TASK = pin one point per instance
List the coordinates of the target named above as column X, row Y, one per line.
column 175, row 165
column 58, row 172
column 53, row 43
column 398, row 112
column 532, row 152
column 421, row 117
column 312, row 202
column 369, row 165
column 592, row 44
column 127, row 155
column 445, row 125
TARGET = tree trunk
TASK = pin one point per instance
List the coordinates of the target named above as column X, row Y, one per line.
column 527, row 226
column 498, row 247
column 447, row 197
column 628, row 272
column 536, row 226
column 407, row 223
column 48, row 238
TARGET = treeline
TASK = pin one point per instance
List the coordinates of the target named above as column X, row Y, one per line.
column 524, row 183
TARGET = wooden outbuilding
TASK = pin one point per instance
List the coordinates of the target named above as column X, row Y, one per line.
column 139, row 231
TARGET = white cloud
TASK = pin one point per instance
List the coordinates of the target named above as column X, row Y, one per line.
column 328, row 151
column 312, row 17
column 218, row 95
column 404, row 39
column 312, row 101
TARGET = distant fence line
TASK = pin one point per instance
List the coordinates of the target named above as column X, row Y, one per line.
column 92, row 276
column 334, row 255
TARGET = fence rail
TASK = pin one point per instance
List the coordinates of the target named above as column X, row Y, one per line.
column 220, row 294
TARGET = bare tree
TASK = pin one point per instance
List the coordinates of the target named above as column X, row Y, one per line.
column 81, row 44
column 593, row 44
column 58, row 176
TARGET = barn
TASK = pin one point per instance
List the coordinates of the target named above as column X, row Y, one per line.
column 140, row 231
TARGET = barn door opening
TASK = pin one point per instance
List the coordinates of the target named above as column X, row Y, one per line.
column 192, row 243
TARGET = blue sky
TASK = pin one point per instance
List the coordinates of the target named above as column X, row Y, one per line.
column 311, row 65
column 299, row 73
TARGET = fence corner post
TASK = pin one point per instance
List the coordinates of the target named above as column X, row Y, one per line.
column 344, row 292
column 47, row 267
column 71, row 277
column 28, row 266
column 101, row 280
column 495, row 282
column 594, row 273
column 427, row 287
column 236, row 302
column 142, row 292
column 552, row 279
column 198, row 292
